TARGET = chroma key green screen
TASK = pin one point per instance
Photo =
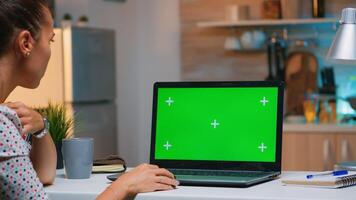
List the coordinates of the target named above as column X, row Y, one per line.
column 225, row 124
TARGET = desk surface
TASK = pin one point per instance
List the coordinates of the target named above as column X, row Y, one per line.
column 65, row 189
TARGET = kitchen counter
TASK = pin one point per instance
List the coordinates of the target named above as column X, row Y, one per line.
column 334, row 128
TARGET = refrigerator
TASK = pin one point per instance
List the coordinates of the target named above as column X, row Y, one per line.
column 82, row 74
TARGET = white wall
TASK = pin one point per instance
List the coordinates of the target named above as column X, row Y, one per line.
column 148, row 50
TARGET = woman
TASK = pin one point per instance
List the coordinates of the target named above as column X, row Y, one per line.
column 25, row 36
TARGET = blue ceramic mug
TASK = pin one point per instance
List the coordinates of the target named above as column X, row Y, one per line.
column 78, row 157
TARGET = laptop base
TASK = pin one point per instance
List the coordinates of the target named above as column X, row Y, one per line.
column 223, row 181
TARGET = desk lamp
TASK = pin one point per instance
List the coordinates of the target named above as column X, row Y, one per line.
column 344, row 48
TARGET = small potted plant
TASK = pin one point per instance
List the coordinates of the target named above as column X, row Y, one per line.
column 67, row 20
column 83, row 21
column 61, row 126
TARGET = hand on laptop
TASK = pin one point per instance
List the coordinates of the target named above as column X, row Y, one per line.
column 145, row 178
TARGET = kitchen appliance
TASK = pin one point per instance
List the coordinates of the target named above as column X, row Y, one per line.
column 81, row 73
column 327, row 81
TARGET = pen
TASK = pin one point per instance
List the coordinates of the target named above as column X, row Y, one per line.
column 334, row 173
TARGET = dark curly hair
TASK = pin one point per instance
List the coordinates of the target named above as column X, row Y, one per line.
column 18, row 15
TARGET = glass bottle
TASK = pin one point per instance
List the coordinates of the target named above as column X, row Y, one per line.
column 318, row 8
column 323, row 113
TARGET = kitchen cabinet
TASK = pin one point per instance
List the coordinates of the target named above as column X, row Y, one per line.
column 307, row 151
column 346, row 143
column 317, row 150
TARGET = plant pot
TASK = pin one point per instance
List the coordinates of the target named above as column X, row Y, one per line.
column 66, row 23
column 59, row 155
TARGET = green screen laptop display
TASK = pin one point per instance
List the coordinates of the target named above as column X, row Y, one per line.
column 224, row 124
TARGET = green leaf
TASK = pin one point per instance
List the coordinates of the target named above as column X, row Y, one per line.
column 61, row 124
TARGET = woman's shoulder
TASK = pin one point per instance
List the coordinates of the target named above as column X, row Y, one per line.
column 11, row 141
column 10, row 116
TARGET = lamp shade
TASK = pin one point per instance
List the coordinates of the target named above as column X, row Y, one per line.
column 344, row 44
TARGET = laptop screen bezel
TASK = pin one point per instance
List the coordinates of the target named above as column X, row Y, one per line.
column 220, row 165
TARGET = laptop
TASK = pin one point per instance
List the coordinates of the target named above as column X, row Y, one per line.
column 218, row 133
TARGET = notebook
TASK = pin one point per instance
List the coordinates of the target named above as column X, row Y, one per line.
column 323, row 181
column 109, row 164
column 218, row 133
column 114, row 168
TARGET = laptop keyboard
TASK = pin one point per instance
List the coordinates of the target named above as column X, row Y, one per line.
column 218, row 173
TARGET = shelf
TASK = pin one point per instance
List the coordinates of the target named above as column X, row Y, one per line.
column 253, row 50
column 274, row 22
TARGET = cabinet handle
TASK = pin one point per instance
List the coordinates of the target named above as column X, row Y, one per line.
column 326, row 154
column 344, row 150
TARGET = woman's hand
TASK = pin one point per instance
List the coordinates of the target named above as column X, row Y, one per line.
column 30, row 119
column 145, row 178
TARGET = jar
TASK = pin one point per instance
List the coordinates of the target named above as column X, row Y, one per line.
column 271, row 9
column 324, row 113
column 327, row 110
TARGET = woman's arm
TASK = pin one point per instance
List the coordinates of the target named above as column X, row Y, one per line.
column 120, row 193
column 43, row 153
column 44, row 158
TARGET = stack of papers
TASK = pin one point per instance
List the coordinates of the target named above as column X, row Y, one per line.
column 327, row 181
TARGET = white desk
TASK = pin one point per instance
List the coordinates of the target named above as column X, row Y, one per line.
column 64, row 189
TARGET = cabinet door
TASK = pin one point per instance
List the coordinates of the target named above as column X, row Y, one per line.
column 308, row 151
column 346, row 146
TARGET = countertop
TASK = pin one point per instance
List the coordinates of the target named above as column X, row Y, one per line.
column 334, row 128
